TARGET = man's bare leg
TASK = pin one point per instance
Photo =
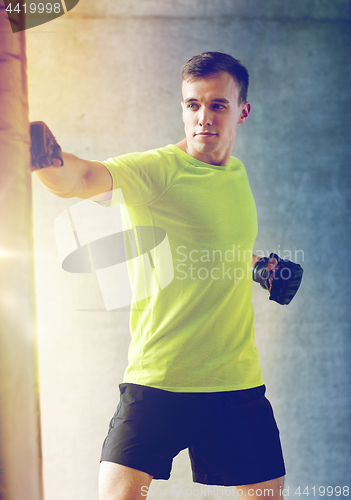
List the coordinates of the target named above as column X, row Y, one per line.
column 117, row 482
column 268, row 489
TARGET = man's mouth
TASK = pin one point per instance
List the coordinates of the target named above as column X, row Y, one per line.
column 205, row 134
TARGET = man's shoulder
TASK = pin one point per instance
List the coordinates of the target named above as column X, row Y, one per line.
column 150, row 156
column 233, row 160
column 236, row 165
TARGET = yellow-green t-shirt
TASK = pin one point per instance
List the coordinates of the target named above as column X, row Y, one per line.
column 197, row 333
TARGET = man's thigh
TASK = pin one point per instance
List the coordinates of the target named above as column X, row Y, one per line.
column 117, row 482
column 238, row 441
column 272, row 490
column 149, row 428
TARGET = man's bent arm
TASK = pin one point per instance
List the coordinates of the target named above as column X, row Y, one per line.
column 76, row 178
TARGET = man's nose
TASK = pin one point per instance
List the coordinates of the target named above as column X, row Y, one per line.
column 205, row 117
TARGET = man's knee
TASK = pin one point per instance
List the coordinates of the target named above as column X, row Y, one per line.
column 117, row 482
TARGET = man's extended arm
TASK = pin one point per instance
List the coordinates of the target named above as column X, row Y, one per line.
column 77, row 177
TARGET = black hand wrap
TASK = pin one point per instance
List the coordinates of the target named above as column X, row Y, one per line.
column 44, row 146
column 287, row 277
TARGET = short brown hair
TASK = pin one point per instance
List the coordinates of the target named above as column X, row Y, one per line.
column 211, row 63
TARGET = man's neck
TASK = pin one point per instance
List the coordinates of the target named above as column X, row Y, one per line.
column 211, row 159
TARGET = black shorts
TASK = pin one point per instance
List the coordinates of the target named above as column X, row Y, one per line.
column 232, row 436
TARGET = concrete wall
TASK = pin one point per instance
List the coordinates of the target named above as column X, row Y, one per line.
column 105, row 79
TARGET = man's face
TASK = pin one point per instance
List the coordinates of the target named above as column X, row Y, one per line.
column 211, row 114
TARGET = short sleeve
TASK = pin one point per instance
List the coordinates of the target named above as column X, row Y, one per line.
column 143, row 177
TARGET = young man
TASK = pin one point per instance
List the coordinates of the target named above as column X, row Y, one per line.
column 193, row 379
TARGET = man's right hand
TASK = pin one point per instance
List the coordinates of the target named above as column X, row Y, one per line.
column 44, row 147
column 68, row 176
column 56, row 163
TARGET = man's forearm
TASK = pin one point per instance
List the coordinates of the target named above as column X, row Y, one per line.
column 66, row 181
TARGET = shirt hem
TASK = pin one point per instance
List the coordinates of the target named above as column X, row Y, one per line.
column 234, row 387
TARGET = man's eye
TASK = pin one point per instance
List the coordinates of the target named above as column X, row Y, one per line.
column 218, row 106
column 191, row 105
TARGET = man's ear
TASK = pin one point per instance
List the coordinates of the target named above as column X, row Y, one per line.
column 246, row 108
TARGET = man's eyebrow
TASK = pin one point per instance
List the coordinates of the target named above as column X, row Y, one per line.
column 220, row 99
column 223, row 100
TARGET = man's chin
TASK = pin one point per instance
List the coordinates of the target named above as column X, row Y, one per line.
column 203, row 146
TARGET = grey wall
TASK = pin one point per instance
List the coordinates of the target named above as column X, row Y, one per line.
column 105, row 79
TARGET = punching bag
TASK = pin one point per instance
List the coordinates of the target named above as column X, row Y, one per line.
column 20, row 450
